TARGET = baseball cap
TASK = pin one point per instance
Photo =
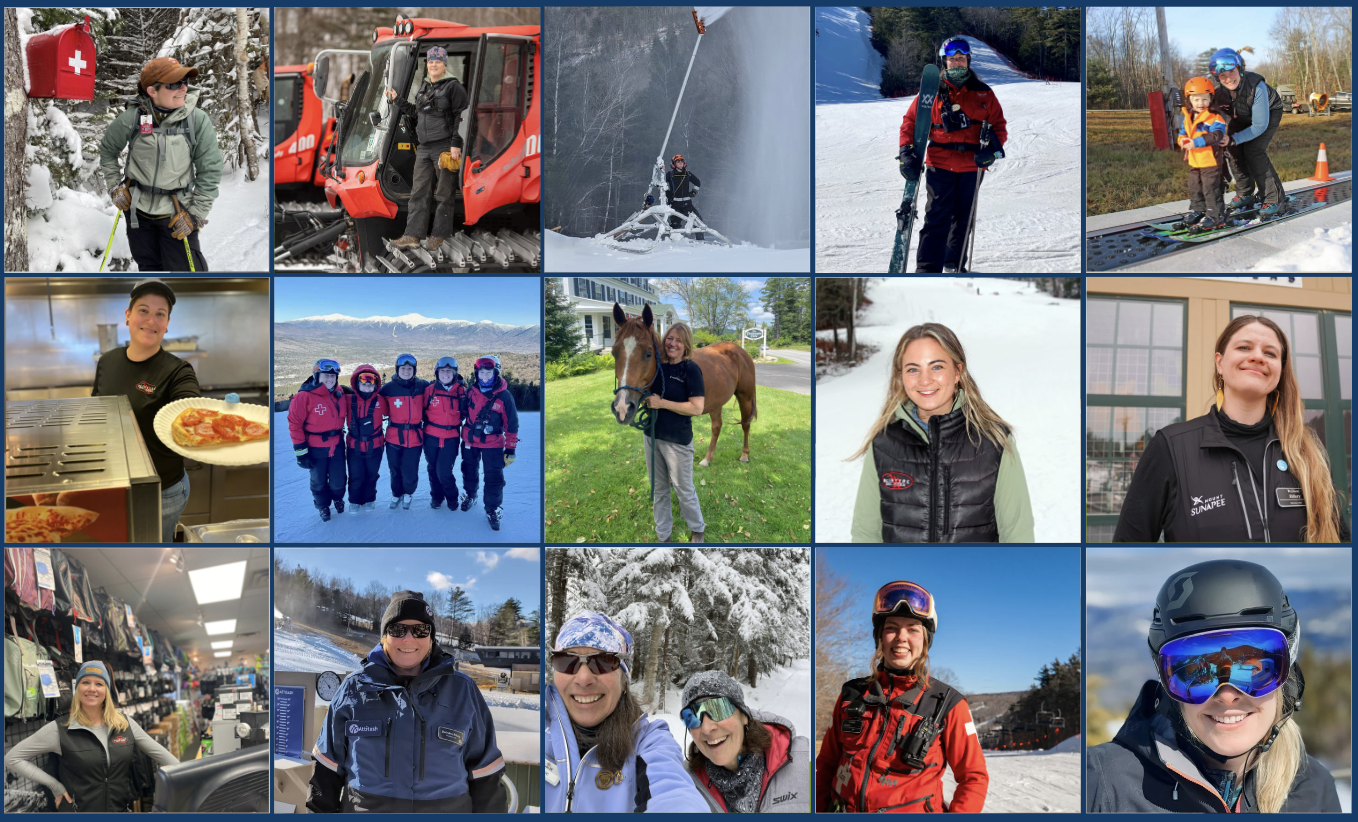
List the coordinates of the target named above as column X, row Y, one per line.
column 155, row 287
column 164, row 70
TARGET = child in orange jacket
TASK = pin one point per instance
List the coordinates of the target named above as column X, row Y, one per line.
column 1203, row 138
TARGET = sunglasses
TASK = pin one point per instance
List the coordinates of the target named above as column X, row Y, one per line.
column 175, row 86
column 565, row 662
column 421, row 631
column 716, row 707
column 1255, row 661
column 367, row 379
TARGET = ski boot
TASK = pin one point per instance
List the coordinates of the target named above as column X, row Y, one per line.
column 396, row 502
column 339, row 506
column 435, row 503
column 1189, row 220
column 406, row 241
column 325, row 514
column 1277, row 209
column 467, row 501
column 369, row 506
column 949, row 269
column 1207, row 225
column 406, row 500
column 493, row 516
column 1239, row 203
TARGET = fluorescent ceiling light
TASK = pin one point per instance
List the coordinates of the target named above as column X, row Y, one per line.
column 221, row 654
column 221, row 626
column 225, row 643
column 221, row 583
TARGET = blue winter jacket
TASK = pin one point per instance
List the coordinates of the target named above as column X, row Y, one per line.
column 652, row 781
column 427, row 746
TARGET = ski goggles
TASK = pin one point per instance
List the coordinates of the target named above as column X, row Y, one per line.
column 446, row 362
column 487, row 362
column 367, row 378
column 956, row 47
column 716, row 707
column 421, row 631
column 326, row 367
column 891, row 596
column 565, row 662
column 1255, row 661
column 1224, row 65
column 405, row 359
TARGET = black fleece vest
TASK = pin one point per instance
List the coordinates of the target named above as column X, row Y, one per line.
column 1240, row 111
column 1221, row 498
column 939, row 491
column 97, row 781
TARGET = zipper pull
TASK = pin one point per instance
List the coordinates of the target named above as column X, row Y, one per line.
column 1176, row 791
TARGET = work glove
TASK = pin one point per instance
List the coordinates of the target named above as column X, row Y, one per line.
column 183, row 224
column 650, row 200
column 509, row 456
column 303, row 455
column 121, row 197
column 909, row 163
column 986, row 159
column 449, row 162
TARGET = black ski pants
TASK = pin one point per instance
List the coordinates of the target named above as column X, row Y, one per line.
column 327, row 475
column 432, row 186
column 439, row 460
column 492, row 460
column 404, row 465
column 947, row 213
column 1207, row 192
column 1253, row 170
column 685, row 207
column 364, row 469
column 155, row 249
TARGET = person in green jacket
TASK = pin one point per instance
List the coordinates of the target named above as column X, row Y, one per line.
column 939, row 464
column 173, row 169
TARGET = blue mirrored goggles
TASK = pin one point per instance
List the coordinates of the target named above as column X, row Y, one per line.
column 1255, row 661
column 956, row 47
column 327, row 367
column 405, row 359
column 716, row 707
column 1224, row 65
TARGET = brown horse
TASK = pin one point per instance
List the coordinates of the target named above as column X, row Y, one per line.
column 727, row 370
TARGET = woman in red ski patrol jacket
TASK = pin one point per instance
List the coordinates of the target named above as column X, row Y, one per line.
column 443, row 401
column 960, row 147
column 490, row 433
column 892, row 733
column 404, row 396
column 365, row 412
column 316, row 417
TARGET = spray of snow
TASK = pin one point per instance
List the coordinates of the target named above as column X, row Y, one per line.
column 562, row 253
column 711, row 14
column 1328, row 250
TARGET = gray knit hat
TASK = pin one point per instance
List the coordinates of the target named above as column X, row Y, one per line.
column 406, row 605
column 714, row 683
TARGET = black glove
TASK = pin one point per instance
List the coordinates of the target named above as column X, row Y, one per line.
column 303, row 455
column 985, row 159
column 509, row 456
column 909, row 163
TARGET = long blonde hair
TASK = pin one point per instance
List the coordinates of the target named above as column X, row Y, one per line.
column 1301, row 447
column 1275, row 769
column 113, row 718
column 982, row 421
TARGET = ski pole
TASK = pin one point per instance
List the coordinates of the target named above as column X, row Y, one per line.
column 188, row 252
column 110, row 241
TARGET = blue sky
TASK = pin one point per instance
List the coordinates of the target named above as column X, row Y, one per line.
column 489, row 575
column 1216, row 27
column 1122, row 576
column 754, row 287
column 508, row 300
column 1002, row 612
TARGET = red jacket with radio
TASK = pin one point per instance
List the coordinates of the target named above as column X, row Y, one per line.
column 365, row 412
column 405, row 411
column 316, row 416
column 495, row 409
column 443, row 409
column 860, row 766
column 980, row 105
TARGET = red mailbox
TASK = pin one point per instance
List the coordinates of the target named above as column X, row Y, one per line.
column 61, row 62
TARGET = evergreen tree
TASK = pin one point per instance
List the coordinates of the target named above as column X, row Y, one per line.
column 561, row 336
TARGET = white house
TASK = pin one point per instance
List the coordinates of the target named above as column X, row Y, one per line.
column 591, row 300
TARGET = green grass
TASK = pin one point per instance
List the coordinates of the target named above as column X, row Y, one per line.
column 776, row 361
column 1126, row 171
column 598, row 489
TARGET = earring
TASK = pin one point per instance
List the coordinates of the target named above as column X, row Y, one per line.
column 1274, row 409
column 1221, row 398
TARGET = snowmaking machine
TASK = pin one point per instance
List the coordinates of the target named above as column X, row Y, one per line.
column 498, row 191
column 657, row 220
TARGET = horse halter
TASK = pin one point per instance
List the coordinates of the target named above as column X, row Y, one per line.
column 643, row 419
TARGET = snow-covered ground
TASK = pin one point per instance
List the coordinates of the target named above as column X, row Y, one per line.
column 311, row 652
column 1327, row 250
column 786, row 692
column 562, row 253
column 1023, row 348
column 296, row 518
column 1030, row 781
column 1028, row 217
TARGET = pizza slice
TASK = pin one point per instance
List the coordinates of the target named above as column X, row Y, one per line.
column 204, row 428
column 45, row 523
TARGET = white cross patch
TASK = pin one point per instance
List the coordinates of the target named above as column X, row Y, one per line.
column 398, row 403
column 76, row 63
column 320, row 409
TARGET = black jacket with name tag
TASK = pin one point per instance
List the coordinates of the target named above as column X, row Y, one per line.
column 1193, row 484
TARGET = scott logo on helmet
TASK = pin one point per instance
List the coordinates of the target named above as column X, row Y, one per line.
column 897, row 481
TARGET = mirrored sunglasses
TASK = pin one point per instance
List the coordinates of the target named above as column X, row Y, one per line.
column 716, row 707
column 421, row 631
column 565, row 662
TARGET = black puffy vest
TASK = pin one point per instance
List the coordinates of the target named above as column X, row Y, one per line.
column 98, row 781
column 1221, row 498
column 939, row 491
column 1240, row 110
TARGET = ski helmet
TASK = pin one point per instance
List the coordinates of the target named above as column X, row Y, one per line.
column 1225, row 60
column 953, row 46
column 446, row 362
column 903, row 598
column 326, row 366
column 488, row 361
column 678, row 158
column 1198, row 85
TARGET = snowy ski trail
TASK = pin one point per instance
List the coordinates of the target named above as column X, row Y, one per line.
column 1028, row 782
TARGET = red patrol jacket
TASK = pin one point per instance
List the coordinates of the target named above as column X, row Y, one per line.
column 860, row 767
column 405, row 411
column 980, row 105
column 316, row 416
column 365, row 413
column 496, row 409
column 443, row 409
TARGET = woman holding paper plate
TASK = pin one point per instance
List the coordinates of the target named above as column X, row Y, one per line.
column 95, row 743
column 151, row 378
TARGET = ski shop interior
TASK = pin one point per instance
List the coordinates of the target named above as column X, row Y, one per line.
column 184, row 632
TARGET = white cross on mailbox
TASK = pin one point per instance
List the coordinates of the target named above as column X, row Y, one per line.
column 76, row 63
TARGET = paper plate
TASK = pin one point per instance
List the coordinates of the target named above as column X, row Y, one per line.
column 246, row 453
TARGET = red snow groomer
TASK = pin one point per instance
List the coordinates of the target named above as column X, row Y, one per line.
column 302, row 135
column 369, row 179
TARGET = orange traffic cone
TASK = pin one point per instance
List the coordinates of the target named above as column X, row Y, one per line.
column 1322, row 174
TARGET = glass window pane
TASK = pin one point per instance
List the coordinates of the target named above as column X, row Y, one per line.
column 1134, row 323
column 1099, row 533
column 1315, row 420
column 1129, row 430
column 1099, row 371
column 1343, row 334
column 1157, row 418
column 1305, row 335
column 1348, row 448
column 1169, row 325
column 1132, row 368
column 1308, row 378
column 1099, row 316
column 1167, row 373
column 1097, row 422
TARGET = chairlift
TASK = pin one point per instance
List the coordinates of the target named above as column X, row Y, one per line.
column 1044, row 717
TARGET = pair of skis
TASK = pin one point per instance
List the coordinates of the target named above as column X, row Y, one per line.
column 1237, row 221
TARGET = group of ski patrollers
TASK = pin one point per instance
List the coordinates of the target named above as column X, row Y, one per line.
column 476, row 418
